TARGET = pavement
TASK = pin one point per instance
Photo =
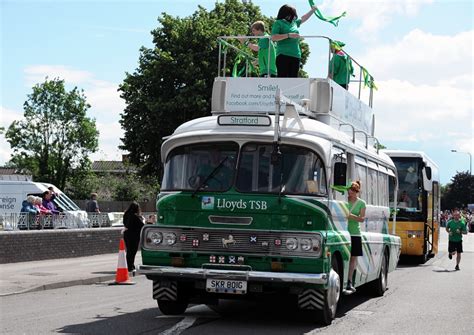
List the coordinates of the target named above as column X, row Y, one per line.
column 17, row 278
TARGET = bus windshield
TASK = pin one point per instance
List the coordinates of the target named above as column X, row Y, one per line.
column 410, row 191
column 209, row 167
column 213, row 167
column 299, row 171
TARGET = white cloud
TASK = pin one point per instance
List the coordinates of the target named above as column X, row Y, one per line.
column 7, row 116
column 423, row 113
column 373, row 14
column 37, row 73
column 421, row 57
column 105, row 101
column 109, row 140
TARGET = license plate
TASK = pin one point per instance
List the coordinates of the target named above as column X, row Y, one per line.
column 226, row 286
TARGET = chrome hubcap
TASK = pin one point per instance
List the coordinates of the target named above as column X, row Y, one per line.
column 334, row 291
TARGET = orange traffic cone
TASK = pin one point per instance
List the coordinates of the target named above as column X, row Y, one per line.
column 121, row 276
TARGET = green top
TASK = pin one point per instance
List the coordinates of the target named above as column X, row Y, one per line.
column 341, row 67
column 353, row 226
column 454, row 226
column 288, row 46
column 263, row 56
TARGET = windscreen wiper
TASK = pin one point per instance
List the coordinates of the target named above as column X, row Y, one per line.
column 209, row 176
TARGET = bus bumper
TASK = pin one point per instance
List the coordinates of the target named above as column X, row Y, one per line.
column 175, row 273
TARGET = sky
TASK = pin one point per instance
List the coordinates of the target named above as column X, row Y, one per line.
column 420, row 53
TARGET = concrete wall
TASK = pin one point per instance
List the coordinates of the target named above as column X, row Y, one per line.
column 23, row 246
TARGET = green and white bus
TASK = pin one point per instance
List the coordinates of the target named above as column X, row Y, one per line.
column 248, row 207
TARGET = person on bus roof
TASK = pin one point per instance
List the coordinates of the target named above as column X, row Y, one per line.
column 340, row 66
column 258, row 29
column 285, row 32
column 356, row 210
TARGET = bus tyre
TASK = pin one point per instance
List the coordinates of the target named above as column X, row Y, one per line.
column 380, row 284
column 424, row 258
column 333, row 293
column 172, row 307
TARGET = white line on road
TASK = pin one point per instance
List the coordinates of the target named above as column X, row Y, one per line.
column 181, row 326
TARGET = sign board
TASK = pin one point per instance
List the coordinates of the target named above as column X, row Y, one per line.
column 258, row 94
column 244, row 120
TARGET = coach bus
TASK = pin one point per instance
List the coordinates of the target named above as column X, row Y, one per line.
column 251, row 200
column 418, row 203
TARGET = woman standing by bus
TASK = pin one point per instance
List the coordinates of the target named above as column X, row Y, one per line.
column 133, row 222
column 356, row 208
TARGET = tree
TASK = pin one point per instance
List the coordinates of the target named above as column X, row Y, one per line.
column 173, row 82
column 55, row 138
column 459, row 192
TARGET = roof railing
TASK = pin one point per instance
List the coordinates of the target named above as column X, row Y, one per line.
column 365, row 79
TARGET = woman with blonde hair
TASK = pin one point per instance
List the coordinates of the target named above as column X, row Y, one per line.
column 356, row 210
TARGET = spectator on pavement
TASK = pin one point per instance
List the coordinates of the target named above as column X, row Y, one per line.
column 133, row 222
column 456, row 227
column 92, row 205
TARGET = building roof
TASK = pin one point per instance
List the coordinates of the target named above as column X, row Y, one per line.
column 112, row 166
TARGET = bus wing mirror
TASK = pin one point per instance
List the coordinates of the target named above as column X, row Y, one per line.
column 427, row 183
column 340, row 174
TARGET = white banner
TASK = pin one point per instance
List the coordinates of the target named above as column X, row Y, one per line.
column 258, row 94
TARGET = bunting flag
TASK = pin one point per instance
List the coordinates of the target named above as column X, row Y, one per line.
column 368, row 79
column 332, row 20
column 242, row 57
column 341, row 188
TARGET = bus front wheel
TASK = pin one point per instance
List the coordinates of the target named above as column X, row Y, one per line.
column 380, row 284
column 333, row 294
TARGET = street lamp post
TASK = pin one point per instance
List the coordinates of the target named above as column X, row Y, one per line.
column 470, row 170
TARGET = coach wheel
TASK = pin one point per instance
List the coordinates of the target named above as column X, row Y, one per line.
column 172, row 307
column 332, row 295
column 380, row 284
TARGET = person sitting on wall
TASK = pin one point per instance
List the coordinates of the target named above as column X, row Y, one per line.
column 48, row 203
column 29, row 212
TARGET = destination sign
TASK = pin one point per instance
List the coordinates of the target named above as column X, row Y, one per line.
column 244, row 120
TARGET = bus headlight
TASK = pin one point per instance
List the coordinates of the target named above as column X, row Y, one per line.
column 169, row 238
column 156, row 238
column 291, row 243
column 306, row 244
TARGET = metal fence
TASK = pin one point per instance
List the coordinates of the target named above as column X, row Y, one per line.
column 28, row 221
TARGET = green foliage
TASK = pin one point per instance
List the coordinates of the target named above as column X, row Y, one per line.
column 109, row 186
column 55, row 138
column 459, row 192
column 173, row 82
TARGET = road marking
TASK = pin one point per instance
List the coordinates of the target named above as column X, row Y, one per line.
column 181, row 326
column 191, row 315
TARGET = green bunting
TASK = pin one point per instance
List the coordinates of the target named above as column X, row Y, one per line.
column 341, row 188
column 368, row 79
column 242, row 57
column 332, row 20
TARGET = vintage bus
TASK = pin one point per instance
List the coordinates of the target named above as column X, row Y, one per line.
column 249, row 204
column 418, row 203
